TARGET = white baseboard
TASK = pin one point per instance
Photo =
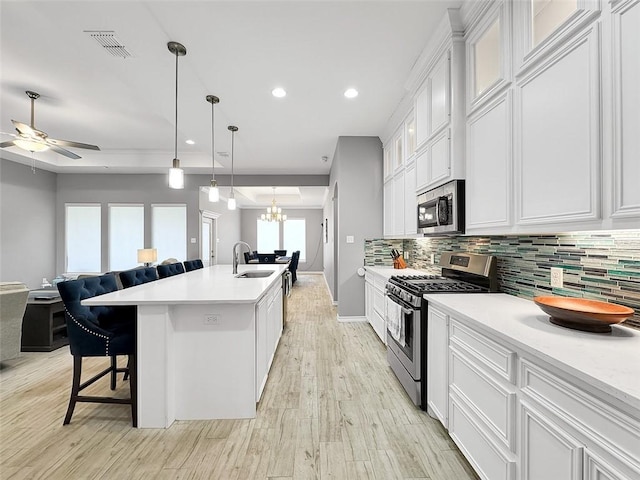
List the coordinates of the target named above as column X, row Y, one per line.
column 310, row 272
column 351, row 319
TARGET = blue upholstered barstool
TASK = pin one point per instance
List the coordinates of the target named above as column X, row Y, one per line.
column 193, row 264
column 138, row 276
column 170, row 270
column 293, row 266
column 99, row 331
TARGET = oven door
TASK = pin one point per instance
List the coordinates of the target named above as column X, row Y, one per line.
column 409, row 353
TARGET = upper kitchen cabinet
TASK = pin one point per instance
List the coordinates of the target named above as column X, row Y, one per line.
column 439, row 107
column 542, row 26
column 558, row 132
column 488, row 55
column 625, row 39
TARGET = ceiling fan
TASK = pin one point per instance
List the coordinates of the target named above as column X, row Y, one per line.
column 33, row 140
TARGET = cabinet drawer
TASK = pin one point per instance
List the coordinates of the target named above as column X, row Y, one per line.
column 598, row 421
column 488, row 458
column 379, row 302
column 496, row 358
column 379, row 282
column 493, row 402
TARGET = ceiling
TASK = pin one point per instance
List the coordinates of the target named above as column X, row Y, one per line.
column 236, row 50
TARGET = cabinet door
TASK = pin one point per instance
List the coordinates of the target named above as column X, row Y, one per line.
column 437, row 366
column 547, row 452
column 422, row 115
column 410, row 215
column 597, row 469
column 558, row 136
column 398, row 204
column 261, row 346
column 439, row 95
column 368, row 300
column 626, row 121
column 440, row 157
column 388, row 209
column 488, row 183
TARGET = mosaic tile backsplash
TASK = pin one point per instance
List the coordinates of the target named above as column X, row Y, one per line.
column 598, row 265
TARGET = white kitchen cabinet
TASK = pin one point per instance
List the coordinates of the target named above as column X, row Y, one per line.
column 410, row 215
column 557, row 139
column 516, row 414
column 625, row 33
column 547, row 452
column 398, row 204
column 268, row 315
column 489, row 173
column 387, row 224
column 375, row 304
column 437, row 366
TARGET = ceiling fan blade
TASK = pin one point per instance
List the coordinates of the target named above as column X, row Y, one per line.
column 64, row 152
column 68, row 143
column 24, row 129
column 7, row 144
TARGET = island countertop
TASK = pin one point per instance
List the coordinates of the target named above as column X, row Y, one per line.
column 209, row 285
column 610, row 361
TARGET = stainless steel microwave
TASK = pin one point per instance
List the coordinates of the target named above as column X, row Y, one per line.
column 441, row 210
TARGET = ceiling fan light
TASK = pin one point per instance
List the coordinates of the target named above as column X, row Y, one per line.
column 30, row 145
column 176, row 175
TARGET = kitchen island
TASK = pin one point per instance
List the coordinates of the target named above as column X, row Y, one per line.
column 205, row 340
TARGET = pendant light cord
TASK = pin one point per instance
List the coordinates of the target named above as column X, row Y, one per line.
column 213, row 161
column 232, row 137
column 176, row 122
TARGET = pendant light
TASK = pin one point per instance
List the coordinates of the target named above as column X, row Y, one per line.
column 214, row 192
column 232, row 198
column 176, row 174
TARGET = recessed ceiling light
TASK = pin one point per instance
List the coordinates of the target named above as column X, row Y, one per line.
column 278, row 92
column 189, row 142
column 351, row 93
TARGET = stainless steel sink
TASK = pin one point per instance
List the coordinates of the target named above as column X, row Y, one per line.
column 255, row 274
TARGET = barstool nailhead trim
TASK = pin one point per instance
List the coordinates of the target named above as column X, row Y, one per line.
column 89, row 331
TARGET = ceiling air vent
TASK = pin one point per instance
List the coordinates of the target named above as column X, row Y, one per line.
column 107, row 40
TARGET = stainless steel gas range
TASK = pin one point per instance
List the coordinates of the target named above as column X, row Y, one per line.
column 406, row 313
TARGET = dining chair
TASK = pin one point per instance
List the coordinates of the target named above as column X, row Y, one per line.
column 170, row 270
column 138, row 276
column 190, row 265
column 99, row 331
column 293, row 266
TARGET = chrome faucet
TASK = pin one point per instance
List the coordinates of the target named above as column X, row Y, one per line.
column 235, row 255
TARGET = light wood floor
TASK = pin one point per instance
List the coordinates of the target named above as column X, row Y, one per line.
column 332, row 409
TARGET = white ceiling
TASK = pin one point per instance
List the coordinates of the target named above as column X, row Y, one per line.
column 236, row 50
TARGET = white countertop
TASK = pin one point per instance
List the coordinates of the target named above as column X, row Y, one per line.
column 389, row 271
column 215, row 284
column 608, row 361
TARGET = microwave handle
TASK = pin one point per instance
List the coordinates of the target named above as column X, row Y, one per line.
column 439, row 202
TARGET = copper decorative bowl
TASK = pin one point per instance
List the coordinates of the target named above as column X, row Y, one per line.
column 582, row 313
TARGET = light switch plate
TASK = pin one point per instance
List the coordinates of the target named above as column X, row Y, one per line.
column 350, row 239
column 193, row 240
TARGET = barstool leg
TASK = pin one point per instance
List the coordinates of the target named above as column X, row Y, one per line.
column 75, row 388
column 126, row 374
column 114, row 373
column 133, row 385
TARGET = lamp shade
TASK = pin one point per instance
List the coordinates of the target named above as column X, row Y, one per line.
column 147, row 255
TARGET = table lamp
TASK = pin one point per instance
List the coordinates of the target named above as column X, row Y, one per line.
column 147, row 256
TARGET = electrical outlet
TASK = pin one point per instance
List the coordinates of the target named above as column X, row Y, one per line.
column 433, row 258
column 212, row 319
column 556, row 277
column 405, row 255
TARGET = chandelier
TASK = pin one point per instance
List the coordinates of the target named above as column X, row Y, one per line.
column 274, row 213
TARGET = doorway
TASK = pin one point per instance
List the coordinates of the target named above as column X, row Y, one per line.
column 208, row 238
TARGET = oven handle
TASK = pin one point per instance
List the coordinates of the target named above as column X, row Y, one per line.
column 405, row 310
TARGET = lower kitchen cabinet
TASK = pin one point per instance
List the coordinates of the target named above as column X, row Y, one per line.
column 375, row 304
column 516, row 416
column 268, row 315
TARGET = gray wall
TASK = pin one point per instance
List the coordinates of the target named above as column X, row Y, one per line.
column 357, row 171
column 27, row 224
column 109, row 188
column 314, row 249
column 227, row 225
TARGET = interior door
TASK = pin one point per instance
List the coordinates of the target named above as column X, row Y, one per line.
column 207, row 241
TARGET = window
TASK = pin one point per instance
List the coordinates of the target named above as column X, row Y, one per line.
column 295, row 237
column 83, row 238
column 268, row 236
column 126, row 235
column 169, row 231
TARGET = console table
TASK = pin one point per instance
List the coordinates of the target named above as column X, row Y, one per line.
column 43, row 326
